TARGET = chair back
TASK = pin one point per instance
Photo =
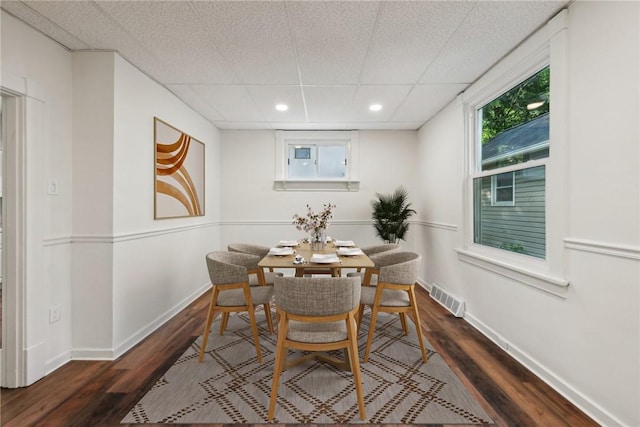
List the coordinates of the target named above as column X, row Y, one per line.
column 247, row 248
column 398, row 267
column 377, row 249
column 229, row 267
column 317, row 296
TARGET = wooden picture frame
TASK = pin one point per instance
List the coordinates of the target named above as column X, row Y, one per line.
column 179, row 182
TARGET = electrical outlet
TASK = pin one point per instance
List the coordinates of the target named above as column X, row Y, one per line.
column 54, row 313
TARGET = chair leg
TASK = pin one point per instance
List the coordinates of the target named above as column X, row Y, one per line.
column 267, row 313
column 254, row 329
column 223, row 322
column 403, row 322
column 359, row 318
column 354, row 360
column 372, row 327
column 277, row 369
column 416, row 320
column 207, row 326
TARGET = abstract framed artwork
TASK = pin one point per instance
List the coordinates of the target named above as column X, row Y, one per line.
column 179, row 173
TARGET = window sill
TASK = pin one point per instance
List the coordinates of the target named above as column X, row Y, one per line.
column 544, row 282
column 315, row 185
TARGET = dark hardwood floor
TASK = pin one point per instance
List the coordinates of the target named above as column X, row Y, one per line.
column 100, row 393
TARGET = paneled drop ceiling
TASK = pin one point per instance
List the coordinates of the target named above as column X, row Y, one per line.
column 233, row 61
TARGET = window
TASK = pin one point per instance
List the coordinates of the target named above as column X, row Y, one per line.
column 509, row 180
column 502, row 189
column 316, row 160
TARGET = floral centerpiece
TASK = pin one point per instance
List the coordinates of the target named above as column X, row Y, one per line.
column 315, row 223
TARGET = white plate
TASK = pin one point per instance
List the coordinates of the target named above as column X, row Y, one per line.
column 288, row 243
column 324, row 258
column 350, row 251
column 281, row 251
column 344, row 243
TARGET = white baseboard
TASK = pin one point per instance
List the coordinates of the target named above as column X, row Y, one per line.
column 126, row 345
column 57, row 362
column 588, row 406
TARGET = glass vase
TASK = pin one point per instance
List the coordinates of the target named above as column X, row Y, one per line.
column 318, row 240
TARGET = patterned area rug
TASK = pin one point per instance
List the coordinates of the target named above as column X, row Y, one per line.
column 230, row 386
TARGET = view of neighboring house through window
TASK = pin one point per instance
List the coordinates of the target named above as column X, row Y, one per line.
column 509, row 181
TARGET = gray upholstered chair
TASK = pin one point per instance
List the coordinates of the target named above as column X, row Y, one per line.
column 317, row 314
column 257, row 275
column 231, row 293
column 394, row 293
column 370, row 275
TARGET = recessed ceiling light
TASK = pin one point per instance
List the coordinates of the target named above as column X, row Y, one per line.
column 282, row 107
column 375, row 107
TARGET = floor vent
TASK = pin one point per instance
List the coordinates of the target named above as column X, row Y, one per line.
column 451, row 303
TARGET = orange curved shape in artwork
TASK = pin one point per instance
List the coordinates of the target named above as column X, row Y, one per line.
column 169, row 162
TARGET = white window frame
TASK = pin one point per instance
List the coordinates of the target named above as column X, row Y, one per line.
column 545, row 47
column 495, row 188
column 350, row 182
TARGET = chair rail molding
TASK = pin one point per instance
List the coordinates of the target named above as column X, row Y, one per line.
column 611, row 249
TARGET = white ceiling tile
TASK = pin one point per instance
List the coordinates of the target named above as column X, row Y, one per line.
column 191, row 96
column 491, row 30
column 425, row 100
column 231, row 101
column 384, row 126
column 331, row 39
column 232, row 60
column 329, row 103
column 242, row 125
column 389, row 96
column 408, row 37
column 30, row 16
column 175, row 35
column 266, row 98
column 253, row 37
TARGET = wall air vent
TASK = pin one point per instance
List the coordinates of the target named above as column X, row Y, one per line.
column 448, row 301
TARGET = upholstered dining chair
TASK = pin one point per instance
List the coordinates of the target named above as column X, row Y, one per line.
column 369, row 277
column 257, row 275
column 317, row 314
column 394, row 293
column 231, row 293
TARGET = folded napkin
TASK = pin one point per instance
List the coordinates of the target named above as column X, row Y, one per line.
column 288, row 243
column 281, row 251
column 324, row 258
column 349, row 251
column 344, row 243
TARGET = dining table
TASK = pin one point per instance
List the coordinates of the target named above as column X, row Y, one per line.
column 345, row 253
column 333, row 257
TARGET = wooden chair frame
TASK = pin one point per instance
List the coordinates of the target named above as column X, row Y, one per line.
column 377, row 307
column 225, row 310
column 284, row 344
column 267, row 310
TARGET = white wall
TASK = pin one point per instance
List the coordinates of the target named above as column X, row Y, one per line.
column 253, row 212
column 115, row 273
column 158, row 265
column 587, row 342
column 40, row 70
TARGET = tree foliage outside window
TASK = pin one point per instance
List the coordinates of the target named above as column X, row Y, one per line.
column 510, row 109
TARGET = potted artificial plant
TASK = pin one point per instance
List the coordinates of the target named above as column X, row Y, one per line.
column 391, row 213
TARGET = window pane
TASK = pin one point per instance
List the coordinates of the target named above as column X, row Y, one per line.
column 515, row 126
column 504, row 194
column 331, row 161
column 504, row 180
column 518, row 228
column 301, row 167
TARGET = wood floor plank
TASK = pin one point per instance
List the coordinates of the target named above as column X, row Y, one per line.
column 102, row 393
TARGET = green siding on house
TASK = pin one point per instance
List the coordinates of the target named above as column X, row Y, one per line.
column 520, row 228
